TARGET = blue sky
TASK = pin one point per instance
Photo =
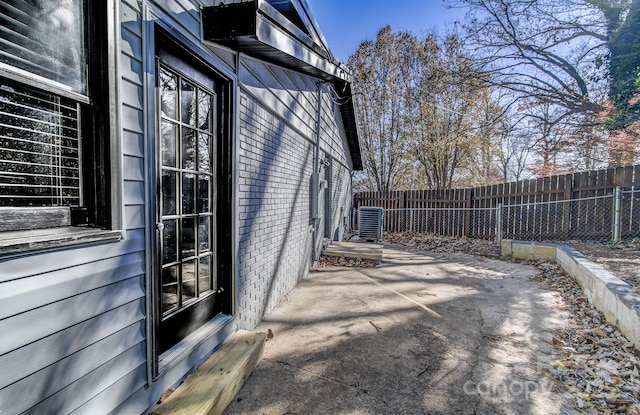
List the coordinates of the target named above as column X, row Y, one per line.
column 346, row 23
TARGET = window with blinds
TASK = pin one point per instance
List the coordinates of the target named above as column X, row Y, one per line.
column 43, row 52
column 55, row 138
column 39, row 148
column 45, row 38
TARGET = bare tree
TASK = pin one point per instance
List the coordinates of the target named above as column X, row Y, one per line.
column 379, row 99
column 515, row 152
column 441, row 93
column 490, row 127
column 553, row 51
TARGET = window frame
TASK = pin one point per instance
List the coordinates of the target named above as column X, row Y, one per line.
column 182, row 77
column 99, row 216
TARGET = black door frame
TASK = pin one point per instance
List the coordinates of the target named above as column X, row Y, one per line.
column 172, row 330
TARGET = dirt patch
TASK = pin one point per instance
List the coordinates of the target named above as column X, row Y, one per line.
column 337, row 261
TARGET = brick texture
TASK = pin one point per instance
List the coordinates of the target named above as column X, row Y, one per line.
column 275, row 226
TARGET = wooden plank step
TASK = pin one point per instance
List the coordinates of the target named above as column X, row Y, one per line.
column 211, row 388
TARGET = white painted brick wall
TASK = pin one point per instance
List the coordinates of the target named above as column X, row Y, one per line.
column 275, row 242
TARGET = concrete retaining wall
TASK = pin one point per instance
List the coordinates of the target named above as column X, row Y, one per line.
column 617, row 300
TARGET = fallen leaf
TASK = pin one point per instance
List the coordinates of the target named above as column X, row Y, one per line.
column 634, row 409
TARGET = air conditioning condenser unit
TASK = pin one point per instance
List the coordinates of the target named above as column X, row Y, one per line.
column 370, row 223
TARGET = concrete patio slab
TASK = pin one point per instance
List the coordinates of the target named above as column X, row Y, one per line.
column 363, row 250
column 419, row 334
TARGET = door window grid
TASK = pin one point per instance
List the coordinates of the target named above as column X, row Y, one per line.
column 187, row 204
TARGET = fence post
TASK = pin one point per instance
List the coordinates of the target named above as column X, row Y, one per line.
column 499, row 223
column 617, row 203
column 411, row 220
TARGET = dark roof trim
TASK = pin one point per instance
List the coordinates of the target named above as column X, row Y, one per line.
column 298, row 12
column 258, row 29
column 347, row 110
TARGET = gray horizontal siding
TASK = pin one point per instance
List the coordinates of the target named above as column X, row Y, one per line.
column 131, row 69
column 131, row 93
column 35, row 324
column 134, row 216
column 133, row 168
column 21, row 395
column 36, row 356
column 132, row 119
column 225, row 55
column 132, row 144
column 295, row 107
column 79, row 392
column 130, row 11
column 133, row 192
column 22, row 267
column 131, row 41
column 185, row 13
column 117, row 392
column 19, row 296
column 141, row 397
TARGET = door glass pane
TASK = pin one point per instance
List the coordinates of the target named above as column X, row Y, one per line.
column 188, row 280
column 204, row 153
column 204, row 234
column 188, row 103
column 204, row 194
column 188, row 237
column 188, row 148
column 204, row 111
column 204, row 274
column 169, row 242
column 169, row 288
column 168, row 95
column 188, row 193
column 168, row 143
column 169, row 192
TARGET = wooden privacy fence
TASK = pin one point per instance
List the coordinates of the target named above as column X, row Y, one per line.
column 601, row 204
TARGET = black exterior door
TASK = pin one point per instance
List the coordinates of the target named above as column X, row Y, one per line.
column 191, row 200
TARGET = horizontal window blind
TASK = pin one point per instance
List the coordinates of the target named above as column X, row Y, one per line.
column 45, row 37
column 39, row 148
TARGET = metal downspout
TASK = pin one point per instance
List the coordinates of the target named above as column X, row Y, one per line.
column 315, row 178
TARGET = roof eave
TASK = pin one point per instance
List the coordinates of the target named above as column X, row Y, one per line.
column 259, row 30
